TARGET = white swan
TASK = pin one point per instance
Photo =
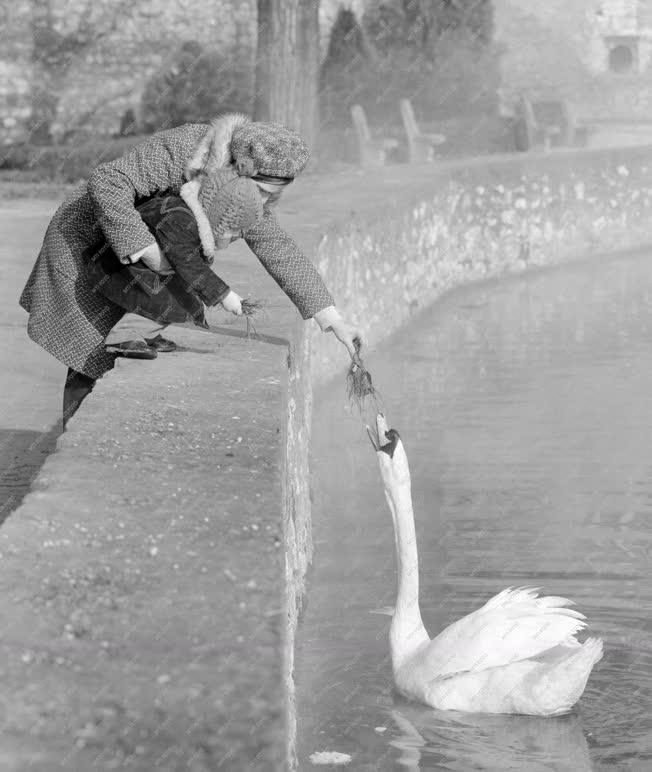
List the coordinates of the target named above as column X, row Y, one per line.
column 516, row 654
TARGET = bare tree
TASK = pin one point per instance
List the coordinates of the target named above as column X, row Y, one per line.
column 287, row 63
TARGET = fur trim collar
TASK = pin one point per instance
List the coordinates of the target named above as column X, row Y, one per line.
column 190, row 194
column 213, row 152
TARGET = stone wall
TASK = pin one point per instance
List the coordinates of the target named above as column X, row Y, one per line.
column 296, row 509
column 15, row 69
column 129, row 41
column 469, row 220
column 121, row 45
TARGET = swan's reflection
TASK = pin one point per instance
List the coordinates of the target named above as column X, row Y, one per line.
column 459, row 742
column 408, row 743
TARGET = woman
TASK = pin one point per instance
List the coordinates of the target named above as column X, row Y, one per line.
column 71, row 320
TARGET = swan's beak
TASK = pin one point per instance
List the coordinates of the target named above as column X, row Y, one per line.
column 383, row 439
column 373, row 438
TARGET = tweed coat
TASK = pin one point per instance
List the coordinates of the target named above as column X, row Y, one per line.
column 66, row 317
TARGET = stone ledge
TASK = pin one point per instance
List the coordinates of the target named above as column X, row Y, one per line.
column 146, row 568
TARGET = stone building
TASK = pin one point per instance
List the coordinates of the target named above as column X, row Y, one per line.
column 595, row 53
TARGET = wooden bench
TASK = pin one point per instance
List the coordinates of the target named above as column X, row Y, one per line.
column 373, row 151
column 547, row 123
column 421, row 146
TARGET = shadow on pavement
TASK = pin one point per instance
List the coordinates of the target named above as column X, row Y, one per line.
column 22, row 454
column 262, row 337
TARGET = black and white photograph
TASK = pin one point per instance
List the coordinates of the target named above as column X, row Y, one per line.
column 326, row 385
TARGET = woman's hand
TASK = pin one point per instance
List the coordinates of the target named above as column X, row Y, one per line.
column 233, row 303
column 153, row 259
column 349, row 335
column 330, row 320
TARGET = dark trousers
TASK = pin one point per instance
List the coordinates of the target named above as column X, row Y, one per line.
column 77, row 387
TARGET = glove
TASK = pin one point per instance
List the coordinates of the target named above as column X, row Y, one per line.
column 232, row 303
column 153, row 259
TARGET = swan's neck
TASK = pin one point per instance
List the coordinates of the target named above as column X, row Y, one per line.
column 407, row 632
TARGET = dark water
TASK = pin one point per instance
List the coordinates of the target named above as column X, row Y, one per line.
column 526, row 411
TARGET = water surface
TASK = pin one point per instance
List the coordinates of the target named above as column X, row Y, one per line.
column 526, row 410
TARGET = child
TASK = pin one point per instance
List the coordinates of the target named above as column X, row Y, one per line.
column 184, row 282
column 71, row 320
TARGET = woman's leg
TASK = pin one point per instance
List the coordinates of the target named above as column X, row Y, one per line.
column 77, row 387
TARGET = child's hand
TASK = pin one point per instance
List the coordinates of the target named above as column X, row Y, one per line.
column 233, row 303
column 154, row 259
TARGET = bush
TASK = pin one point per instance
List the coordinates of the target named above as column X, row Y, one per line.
column 198, row 86
column 461, row 79
column 65, row 162
column 16, row 156
column 418, row 24
column 344, row 72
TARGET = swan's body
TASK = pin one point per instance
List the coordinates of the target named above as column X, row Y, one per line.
column 516, row 654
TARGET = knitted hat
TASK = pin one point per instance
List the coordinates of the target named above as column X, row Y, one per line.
column 236, row 206
column 222, row 202
column 268, row 148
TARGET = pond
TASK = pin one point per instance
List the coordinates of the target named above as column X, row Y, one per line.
column 525, row 407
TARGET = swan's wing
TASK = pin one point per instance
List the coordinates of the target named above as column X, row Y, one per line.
column 514, row 625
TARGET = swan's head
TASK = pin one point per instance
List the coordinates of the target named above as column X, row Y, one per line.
column 392, row 458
